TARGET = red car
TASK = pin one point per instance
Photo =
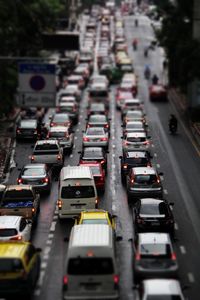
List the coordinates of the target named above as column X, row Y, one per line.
column 98, row 174
column 157, row 92
column 121, row 96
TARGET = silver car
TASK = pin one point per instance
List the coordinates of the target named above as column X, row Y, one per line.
column 136, row 141
column 95, row 137
column 63, row 136
column 48, row 152
column 133, row 126
column 15, row 228
column 155, row 256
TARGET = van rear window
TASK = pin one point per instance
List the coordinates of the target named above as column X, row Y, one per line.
column 90, row 266
column 77, row 192
column 98, row 94
column 10, row 265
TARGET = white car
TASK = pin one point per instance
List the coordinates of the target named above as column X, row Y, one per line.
column 133, row 126
column 136, row 141
column 15, row 228
column 160, row 289
column 95, row 137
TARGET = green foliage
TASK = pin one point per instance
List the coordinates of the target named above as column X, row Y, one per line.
column 182, row 50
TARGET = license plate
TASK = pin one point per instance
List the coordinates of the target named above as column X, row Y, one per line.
column 155, row 224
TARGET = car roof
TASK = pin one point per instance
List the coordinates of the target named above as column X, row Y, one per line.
column 151, row 201
column 18, row 187
column 34, row 166
column 42, row 142
column 144, row 171
column 162, row 286
column 13, row 249
column 9, row 221
column 94, row 214
column 133, row 100
column 58, row 129
column 154, row 238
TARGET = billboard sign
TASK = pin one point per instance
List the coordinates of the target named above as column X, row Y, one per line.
column 37, row 85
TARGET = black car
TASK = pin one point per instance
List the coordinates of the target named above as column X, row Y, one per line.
column 131, row 159
column 153, row 215
column 28, row 129
column 94, row 154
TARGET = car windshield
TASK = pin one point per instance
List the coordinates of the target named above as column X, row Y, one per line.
column 95, row 131
column 28, row 124
column 95, row 221
column 77, row 192
column 57, row 134
column 5, row 232
column 155, row 250
column 33, row 172
column 132, row 114
column 10, row 265
column 98, row 93
column 148, row 179
column 90, row 266
column 97, row 118
column 46, row 146
column 136, row 139
column 61, row 118
column 153, row 209
column 134, row 125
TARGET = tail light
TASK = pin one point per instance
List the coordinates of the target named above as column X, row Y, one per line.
column 132, row 180
column 85, row 139
column 59, row 157
column 140, row 221
column 137, row 257
column 65, row 282
column 52, row 124
column 125, row 166
column 146, row 143
column 33, row 210
column 19, row 180
column 116, row 280
column 101, row 178
column 59, row 203
column 66, row 135
column 104, row 139
column 96, row 201
column 16, row 238
column 18, row 130
column 102, row 161
column 45, row 180
column 106, row 126
column 35, row 132
column 158, row 180
column 125, row 143
column 32, row 158
column 173, row 256
column 88, row 125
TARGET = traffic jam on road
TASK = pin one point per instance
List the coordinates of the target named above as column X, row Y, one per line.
column 86, row 213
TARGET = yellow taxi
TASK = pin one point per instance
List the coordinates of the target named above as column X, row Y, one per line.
column 19, row 269
column 95, row 216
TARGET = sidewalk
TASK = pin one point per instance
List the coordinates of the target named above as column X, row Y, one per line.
column 181, row 103
column 7, row 135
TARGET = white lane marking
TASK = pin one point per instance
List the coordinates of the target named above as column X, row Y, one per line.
column 37, row 292
column 55, row 217
column 176, row 226
column 113, row 207
column 49, row 242
column 75, row 137
column 161, row 177
column 155, row 154
column 191, row 277
column 165, row 192
column 50, row 235
column 77, row 129
column 71, row 155
column 41, row 278
column 182, row 249
column 114, row 146
column 79, row 123
column 152, row 145
column 113, row 155
column 80, row 117
column 43, row 265
column 53, row 226
column 158, row 165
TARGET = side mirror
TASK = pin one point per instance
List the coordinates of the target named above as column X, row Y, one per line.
column 149, row 136
column 50, row 117
column 32, row 146
column 119, row 238
column 66, row 239
column 171, row 203
column 160, row 173
column 38, row 249
column 107, row 151
column 19, row 169
column 120, row 156
column 79, row 152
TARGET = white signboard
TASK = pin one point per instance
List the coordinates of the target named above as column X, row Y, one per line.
column 37, row 85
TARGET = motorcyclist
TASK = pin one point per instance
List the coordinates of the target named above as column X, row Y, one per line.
column 155, row 79
column 146, row 51
column 136, row 22
column 147, row 72
column 173, row 123
column 135, row 43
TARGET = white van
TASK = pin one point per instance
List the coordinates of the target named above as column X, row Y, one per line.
column 90, row 269
column 77, row 191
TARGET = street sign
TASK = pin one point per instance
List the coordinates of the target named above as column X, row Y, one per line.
column 37, row 85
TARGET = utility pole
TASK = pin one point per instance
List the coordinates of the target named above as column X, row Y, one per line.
column 73, row 15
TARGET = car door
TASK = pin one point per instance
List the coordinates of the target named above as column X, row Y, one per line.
column 25, row 229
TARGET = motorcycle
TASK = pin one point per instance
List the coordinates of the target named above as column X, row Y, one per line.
column 147, row 73
column 173, row 128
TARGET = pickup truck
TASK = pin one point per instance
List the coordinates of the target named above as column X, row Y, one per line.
column 48, row 152
column 20, row 201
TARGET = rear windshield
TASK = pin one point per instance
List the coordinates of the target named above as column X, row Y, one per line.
column 34, row 172
column 77, row 192
column 46, row 147
column 98, row 94
column 136, row 140
column 146, row 179
column 10, row 265
column 5, row 232
column 46, row 152
column 90, row 266
column 136, row 160
column 155, row 250
column 16, row 195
